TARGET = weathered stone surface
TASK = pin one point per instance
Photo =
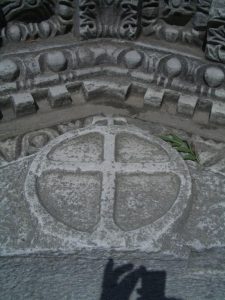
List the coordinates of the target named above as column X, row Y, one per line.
column 89, row 156
column 209, row 151
column 218, row 113
column 122, row 181
column 110, row 189
column 216, row 32
column 93, row 88
column 186, row 104
column 35, row 19
column 108, row 19
column 201, row 16
column 8, row 70
column 17, row 226
column 177, row 12
column 153, row 98
column 97, row 161
column 23, row 104
column 214, row 76
column 108, row 67
column 34, row 141
column 93, row 277
column 205, row 226
column 143, row 188
column 59, row 96
column 173, row 67
column 133, row 59
column 56, row 61
column 75, row 201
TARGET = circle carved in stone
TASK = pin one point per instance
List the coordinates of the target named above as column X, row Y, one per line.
column 108, row 185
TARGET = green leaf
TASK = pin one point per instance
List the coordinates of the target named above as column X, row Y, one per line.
column 190, row 157
column 181, row 146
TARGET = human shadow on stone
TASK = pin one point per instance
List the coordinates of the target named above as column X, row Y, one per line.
column 119, row 283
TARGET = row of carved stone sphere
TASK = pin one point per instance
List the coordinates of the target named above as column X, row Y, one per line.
column 56, row 61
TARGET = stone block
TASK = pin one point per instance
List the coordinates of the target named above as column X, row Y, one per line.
column 93, row 88
column 187, row 104
column 59, row 96
column 153, row 98
column 8, row 87
column 218, row 113
column 46, row 80
column 23, row 104
column 171, row 96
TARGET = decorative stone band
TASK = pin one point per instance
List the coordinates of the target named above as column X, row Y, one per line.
column 139, row 64
column 174, row 21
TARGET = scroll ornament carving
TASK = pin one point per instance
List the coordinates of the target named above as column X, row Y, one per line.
column 215, row 48
column 201, row 16
column 150, row 13
column 178, row 12
column 198, row 22
column 34, row 19
column 215, row 41
column 171, row 20
column 108, row 18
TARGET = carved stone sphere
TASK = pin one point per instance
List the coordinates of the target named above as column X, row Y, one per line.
column 173, row 67
column 9, row 70
column 214, row 76
column 14, row 33
column 56, row 61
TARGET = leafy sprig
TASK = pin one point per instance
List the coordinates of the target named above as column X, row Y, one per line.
column 182, row 146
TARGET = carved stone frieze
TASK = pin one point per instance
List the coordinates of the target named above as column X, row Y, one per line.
column 201, row 16
column 26, row 10
column 177, row 12
column 171, row 21
column 50, row 67
column 30, row 143
column 36, row 19
column 185, row 21
column 215, row 42
column 150, row 13
column 119, row 66
column 215, row 47
column 102, row 18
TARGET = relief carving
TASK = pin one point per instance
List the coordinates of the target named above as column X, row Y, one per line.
column 215, row 41
column 177, row 12
column 171, row 21
column 199, row 22
column 27, row 10
column 215, row 48
column 150, row 13
column 108, row 170
column 35, row 19
column 104, row 18
column 201, row 16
